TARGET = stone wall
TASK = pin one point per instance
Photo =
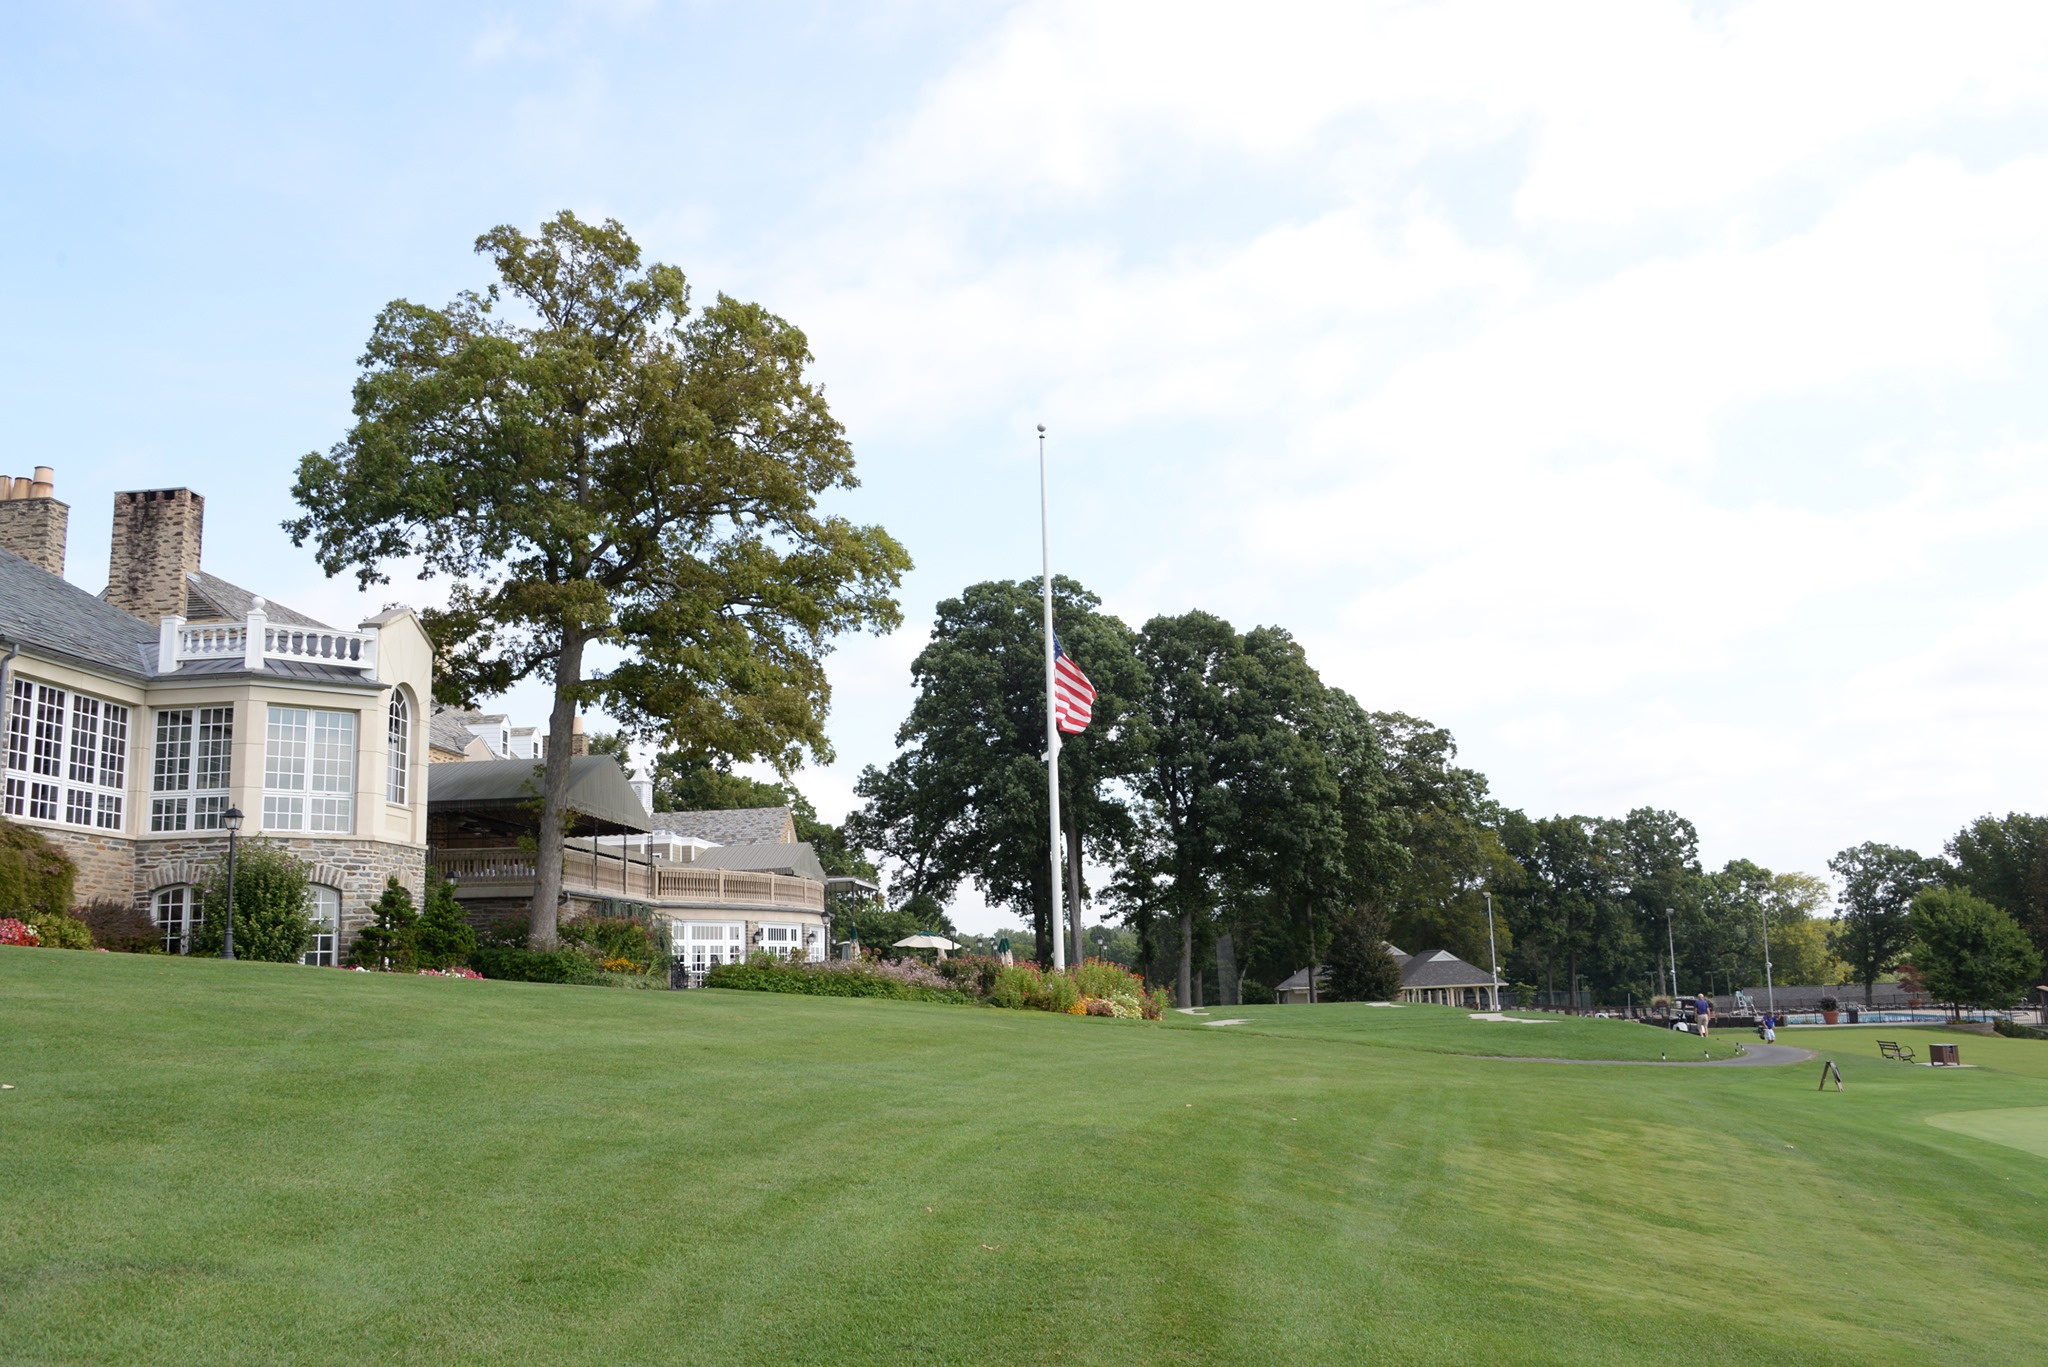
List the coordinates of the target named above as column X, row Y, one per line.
column 357, row 868
column 106, row 863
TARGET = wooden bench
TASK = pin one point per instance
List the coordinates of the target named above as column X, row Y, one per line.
column 1892, row 1049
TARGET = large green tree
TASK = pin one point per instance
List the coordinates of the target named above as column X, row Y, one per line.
column 1264, row 801
column 598, row 467
column 1970, row 953
column 1879, row 883
column 2004, row 860
column 965, row 799
column 1441, row 815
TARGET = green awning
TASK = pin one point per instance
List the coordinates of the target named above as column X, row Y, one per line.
column 598, row 792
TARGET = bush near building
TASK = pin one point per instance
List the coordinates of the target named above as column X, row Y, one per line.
column 273, row 905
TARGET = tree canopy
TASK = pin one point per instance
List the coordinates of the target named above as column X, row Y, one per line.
column 596, row 466
column 1968, row 952
column 1879, row 883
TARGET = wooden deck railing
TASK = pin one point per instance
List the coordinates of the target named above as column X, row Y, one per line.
column 608, row 873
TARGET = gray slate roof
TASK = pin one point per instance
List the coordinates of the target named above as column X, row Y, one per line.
column 1441, row 969
column 305, row 671
column 597, row 788
column 210, row 598
column 738, row 826
column 792, row 857
column 44, row 612
column 449, row 729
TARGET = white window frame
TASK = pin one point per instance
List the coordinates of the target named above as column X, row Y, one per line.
column 700, row 944
column 325, row 914
column 191, row 751
column 309, row 771
column 783, row 940
column 67, row 757
column 176, row 929
column 398, row 736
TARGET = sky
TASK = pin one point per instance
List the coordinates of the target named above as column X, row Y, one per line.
column 1648, row 392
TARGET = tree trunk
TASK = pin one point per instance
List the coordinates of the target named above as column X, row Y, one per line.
column 554, row 795
column 1041, row 917
column 1079, row 953
column 1184, row 994
column 1226, row 972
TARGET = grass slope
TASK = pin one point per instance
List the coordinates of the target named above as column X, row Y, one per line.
column 243, row 1163
column 1451, row 1030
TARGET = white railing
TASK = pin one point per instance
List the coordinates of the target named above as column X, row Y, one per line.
column 256, row 641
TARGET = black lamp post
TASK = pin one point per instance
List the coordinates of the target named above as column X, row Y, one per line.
column 231, row 821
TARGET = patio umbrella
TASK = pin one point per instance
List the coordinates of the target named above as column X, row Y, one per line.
column 938, row 942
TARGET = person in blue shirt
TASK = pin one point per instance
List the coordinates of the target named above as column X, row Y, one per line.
column 1704, row 1010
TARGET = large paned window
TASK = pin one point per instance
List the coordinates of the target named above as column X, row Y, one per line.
column 700, row 944
column 189, row 771
column 176, row 913
column 398, row 775
column 783, row 942
column 309, row 770
column 67, row 757
column 326, row 917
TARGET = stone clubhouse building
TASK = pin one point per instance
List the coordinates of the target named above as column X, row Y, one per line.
column 136, row 719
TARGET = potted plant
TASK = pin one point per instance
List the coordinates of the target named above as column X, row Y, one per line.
column 1830, row 1009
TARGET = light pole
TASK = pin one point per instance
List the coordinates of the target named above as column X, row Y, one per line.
column 231, row 821
column 1770, row 992
column 1671, row 941
column 1492, row 954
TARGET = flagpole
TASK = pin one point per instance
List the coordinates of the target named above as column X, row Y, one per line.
column 1052, row 730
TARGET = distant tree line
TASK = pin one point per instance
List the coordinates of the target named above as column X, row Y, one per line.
column 1240, row 817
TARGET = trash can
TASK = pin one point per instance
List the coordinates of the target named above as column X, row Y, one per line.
column 1949, row 1055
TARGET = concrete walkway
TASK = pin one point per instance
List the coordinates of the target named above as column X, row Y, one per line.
column 1757, row 1055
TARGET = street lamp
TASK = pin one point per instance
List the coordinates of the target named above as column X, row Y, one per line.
column 1492, row 954
column 231, row 821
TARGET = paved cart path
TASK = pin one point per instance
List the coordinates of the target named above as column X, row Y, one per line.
column 1756, row 1056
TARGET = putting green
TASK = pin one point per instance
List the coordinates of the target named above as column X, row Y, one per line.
column 2016, row 1127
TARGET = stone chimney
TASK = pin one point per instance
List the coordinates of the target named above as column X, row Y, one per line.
column 156, row 544
column 32, row 521
column 579, row 744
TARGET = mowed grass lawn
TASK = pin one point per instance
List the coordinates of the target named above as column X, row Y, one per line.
column 1449, row 1030
column 241, row 1163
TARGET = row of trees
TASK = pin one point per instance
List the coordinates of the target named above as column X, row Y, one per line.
column 1240, row 815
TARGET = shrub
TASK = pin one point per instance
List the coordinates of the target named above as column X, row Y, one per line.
column 1361, row 968
column 2014, row 1030
column 519, row 964
column 835, row 978
column 272, row 905
column 1016, row 986
column 613, row 940
column 59, row 930
column 386, row 943
column 35, row 875
column 442, row 935
column 122, row 927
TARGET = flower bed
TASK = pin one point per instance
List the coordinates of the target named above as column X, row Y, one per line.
column 1094, row 988
column 15, row 932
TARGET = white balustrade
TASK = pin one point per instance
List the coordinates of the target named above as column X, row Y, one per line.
column 258, row 640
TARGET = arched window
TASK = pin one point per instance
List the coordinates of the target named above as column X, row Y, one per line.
column 397, row 779
column 326, row 917
column 176, row 914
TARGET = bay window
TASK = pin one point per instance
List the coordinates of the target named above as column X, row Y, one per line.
column 309, row 770
column 189, row 772
column 67, row 757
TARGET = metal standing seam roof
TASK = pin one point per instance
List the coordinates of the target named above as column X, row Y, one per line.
column 597, row 788
column 792, row 857
column 733, row 826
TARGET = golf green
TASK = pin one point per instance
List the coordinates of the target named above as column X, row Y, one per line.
column 244, row 1163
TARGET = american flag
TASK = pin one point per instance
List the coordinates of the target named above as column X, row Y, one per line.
column 1073, row 697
